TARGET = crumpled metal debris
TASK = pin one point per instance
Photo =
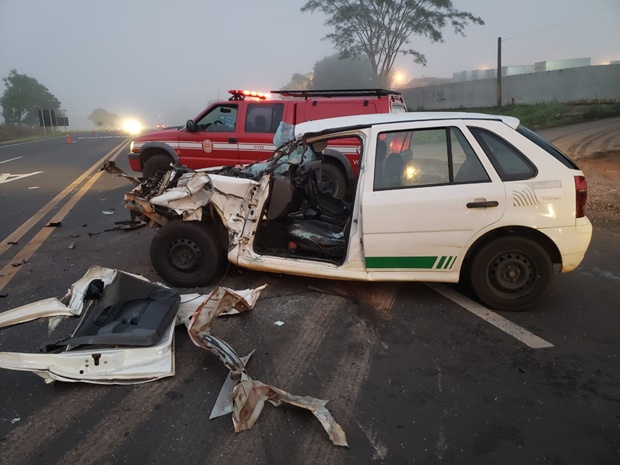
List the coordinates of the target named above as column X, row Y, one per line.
column 249, row 396
column 111, row 364
column 188, row 197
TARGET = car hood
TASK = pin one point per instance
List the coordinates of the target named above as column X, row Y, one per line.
column 167, row 134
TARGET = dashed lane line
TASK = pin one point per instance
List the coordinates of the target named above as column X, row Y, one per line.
column 28, row 225
column 10, row 159
column 501, row 323
column 7, row 273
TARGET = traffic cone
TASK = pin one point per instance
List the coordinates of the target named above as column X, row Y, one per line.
column 69, row 141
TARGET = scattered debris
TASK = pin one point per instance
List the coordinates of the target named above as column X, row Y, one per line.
column 15, row 420
column 12, row 242
column 127, row 225
column 279, row 323
column 108, row 212
column 125, row 336
column 16, row 264
column 3, row 295
column 54, row 224
column 74, row 236
column 33, row 187
column 71, row 246
column 112, row 168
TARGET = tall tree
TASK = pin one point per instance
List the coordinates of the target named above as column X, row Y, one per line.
column 383, row 28
column 299, row 82
column 101, row 117
column 22, row 99
column 334, row 72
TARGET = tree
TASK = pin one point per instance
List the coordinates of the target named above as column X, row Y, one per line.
column 299, row 82
column 382, row 28
column 334, row 72
column 101, row 117
column 22, row 99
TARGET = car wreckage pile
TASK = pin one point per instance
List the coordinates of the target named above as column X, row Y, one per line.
column 125, row 336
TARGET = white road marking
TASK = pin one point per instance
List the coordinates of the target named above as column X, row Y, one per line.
column 10, row 159
column 514, row 330
column 8, row 177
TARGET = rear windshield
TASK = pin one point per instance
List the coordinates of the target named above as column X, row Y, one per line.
column 547, row 147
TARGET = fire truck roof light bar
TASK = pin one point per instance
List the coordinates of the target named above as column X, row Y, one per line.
column 335, row 93
column 241, row 94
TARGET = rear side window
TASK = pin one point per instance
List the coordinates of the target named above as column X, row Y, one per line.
column 547, row 147
column 425, row 157
column 263, row 118
column 510, row 164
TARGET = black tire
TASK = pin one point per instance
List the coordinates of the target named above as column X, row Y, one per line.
column 333, row 181
column 511, row 273
column 186, row 253
column 157, row 164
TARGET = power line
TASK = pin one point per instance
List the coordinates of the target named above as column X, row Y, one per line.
column 560, row 24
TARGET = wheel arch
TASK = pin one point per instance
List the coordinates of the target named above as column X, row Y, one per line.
column 150, row 149
column 521, row 231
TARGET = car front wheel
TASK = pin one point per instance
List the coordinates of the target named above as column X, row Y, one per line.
column 511, row 273
column 185, row 253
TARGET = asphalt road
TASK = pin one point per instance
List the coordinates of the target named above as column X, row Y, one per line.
column 412, row 376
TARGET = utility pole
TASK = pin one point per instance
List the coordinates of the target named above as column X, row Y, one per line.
column 499, row 72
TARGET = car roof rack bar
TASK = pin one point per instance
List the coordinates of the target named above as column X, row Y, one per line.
column 335, row 93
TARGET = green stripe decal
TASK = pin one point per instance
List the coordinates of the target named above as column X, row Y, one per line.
column 441, row 260
column 401, row 262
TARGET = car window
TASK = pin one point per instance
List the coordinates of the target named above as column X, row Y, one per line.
column 547, row 147
column 263, row 118
column 510, row 164
column 222, row 118
column 425, row 157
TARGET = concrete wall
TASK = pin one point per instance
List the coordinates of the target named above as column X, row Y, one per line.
column 589, row 83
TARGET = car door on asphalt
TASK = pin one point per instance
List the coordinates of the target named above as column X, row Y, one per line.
column 426, row 193
column 214, row 142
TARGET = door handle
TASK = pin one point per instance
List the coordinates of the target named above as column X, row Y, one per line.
column 232, row 140
column 483, row 204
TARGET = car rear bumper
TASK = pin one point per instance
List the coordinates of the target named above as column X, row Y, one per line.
column 572, row 242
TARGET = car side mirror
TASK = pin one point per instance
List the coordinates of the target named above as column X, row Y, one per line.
column 190, row 125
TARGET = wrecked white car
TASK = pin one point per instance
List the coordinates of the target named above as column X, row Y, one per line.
column 441, row 197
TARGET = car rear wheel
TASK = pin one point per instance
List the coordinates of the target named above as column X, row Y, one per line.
column 333, row 181
column 157, row 164
column 186, row 253
column 511, row 273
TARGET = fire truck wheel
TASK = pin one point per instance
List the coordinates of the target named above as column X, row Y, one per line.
column 156, row 164
column 333, row 181
column 185, row 253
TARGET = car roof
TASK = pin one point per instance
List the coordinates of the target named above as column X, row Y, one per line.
column 343, row 123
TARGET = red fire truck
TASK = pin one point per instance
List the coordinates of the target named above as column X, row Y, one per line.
column 241, row 129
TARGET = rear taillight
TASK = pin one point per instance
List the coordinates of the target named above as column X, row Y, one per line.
column 581, row 191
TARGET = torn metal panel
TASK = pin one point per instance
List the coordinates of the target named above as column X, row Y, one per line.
column 41, row 309
column 248, row 396
column 112, row 168
column 193, row 191
column 249, row 399
column 99, row 365
column 124, row 335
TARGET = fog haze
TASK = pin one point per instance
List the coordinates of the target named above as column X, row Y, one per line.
column 163, row 61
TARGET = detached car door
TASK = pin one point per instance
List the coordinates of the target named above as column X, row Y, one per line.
column 214, row 139
column 426, row 193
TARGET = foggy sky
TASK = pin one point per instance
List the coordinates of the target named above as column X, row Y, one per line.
column 163, row 61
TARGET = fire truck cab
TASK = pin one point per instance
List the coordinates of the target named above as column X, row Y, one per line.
column 241, row 130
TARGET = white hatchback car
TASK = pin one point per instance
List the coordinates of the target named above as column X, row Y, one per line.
column 441, row 197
